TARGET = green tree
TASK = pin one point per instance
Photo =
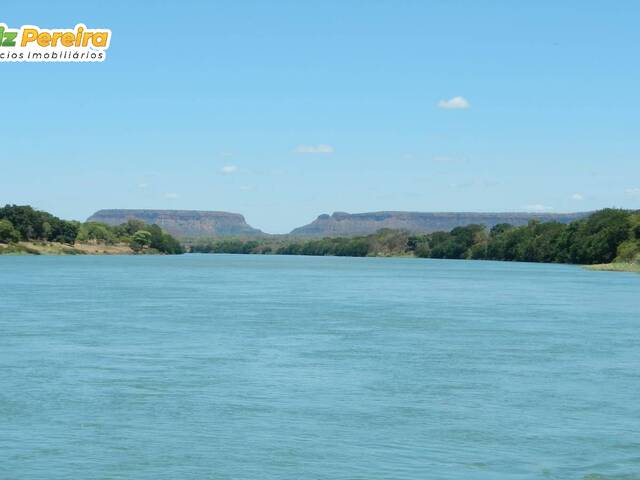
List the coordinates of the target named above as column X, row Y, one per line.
column 629, row 251
column 129, row 228
column 66, row 232
column 47, row 230
column 96, row 232
column 597, row 238
column 140, row 240
column 634, row 220
column 8, row 234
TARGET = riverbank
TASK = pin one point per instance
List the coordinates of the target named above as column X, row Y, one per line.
column 26, row 231
column 615, row 267
column 53, row 248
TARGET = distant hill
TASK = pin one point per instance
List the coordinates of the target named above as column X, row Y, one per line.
column 349, row 224
column 184, row 223
column 199, row 224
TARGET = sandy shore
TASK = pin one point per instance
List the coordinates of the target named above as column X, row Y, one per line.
column 615, row 267
column 51, row 248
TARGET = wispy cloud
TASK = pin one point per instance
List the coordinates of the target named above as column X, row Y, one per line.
column 171, row 195
column 246, row 188
column 577, row 196
column 538, row 208
column 143, row 185
column 454, row 103
column 632, row 192
column 228, row 169
column 314, row 149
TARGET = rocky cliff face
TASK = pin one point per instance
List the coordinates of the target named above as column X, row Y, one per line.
column 183, row 223
column 347, row 224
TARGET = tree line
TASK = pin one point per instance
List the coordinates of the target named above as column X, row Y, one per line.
column 605, row 236
column 24, row 223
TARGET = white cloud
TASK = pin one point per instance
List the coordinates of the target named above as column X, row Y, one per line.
column 228, row 169
column 538, row 208
column 577, row 196
column 246, row 188
column 171, row 195
column 314, row 149
column 143, row 185
column 454, row 103
column 632, row 192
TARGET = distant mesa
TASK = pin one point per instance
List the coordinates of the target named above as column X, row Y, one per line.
column 183, row 223
column 349, row 224
column 199, row 224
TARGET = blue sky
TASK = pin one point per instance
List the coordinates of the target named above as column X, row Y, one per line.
column 282, row 110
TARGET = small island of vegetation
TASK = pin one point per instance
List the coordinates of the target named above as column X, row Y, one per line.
column 24, row 230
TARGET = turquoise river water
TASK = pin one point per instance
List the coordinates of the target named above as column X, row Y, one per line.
column 271, row 367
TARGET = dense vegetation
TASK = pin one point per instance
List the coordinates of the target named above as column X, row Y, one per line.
column 32, row 224
column 384, row 242
column 602, row 237
column 23, row 223
column 137, row 234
